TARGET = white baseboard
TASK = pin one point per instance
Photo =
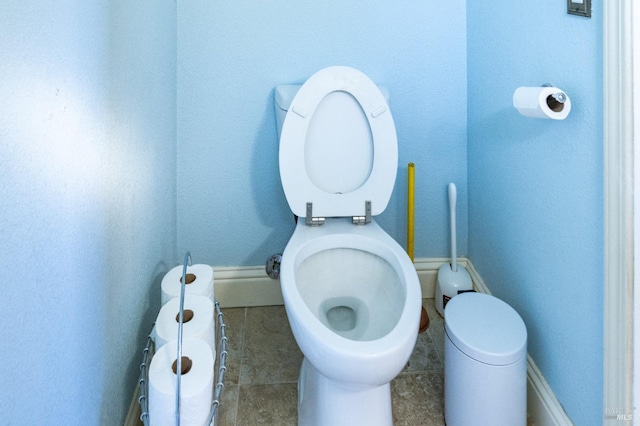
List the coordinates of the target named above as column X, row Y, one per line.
column 542, row 405
column 245, row 286
column 251, row 286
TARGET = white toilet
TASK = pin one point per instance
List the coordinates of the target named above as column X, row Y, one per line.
column 351, row 293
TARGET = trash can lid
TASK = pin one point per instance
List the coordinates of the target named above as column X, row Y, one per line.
column 485, row 328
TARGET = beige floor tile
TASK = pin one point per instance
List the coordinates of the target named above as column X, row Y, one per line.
column 228, row 406
column 268, row 404
column 270, row 353
column 436, row 328
column 424, row 356
column 418, row 399
column 234, row 320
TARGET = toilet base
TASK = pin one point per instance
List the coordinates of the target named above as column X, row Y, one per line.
column 322, row 401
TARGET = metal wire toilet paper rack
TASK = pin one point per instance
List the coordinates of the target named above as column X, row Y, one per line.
column 148, row 351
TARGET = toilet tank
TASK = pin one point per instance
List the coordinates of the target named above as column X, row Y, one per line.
column 285, row 93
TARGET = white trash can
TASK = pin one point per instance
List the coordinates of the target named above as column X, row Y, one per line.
column 485, row 369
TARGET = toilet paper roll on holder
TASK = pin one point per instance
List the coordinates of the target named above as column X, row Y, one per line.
column 544, row 101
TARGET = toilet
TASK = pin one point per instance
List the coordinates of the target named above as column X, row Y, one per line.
column 351, row 293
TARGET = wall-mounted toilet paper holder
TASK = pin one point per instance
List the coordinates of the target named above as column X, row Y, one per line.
column 545, row 101
column 558, row 97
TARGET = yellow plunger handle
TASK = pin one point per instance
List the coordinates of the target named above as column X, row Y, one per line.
column 411, row 187
column 411, row 182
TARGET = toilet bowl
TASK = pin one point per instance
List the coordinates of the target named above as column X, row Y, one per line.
column 351, row 293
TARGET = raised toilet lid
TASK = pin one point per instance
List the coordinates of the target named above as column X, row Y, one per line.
column 354, row 160
column 485, row 328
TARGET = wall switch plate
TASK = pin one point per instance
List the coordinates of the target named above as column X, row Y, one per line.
column 579, row 7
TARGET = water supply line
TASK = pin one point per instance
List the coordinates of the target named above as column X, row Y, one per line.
column 272, row 266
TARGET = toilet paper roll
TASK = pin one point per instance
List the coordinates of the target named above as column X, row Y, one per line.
column 199, row 282
column 198, row 321
column 542, row 102
column 196, row 384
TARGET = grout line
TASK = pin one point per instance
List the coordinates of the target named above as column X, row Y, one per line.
column 240, row 364
column 241, row 353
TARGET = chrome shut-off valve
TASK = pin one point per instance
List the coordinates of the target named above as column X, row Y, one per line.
column 272, row 267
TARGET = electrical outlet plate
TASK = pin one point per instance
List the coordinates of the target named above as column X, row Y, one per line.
column 579, row 7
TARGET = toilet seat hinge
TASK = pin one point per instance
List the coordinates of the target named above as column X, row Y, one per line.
column 310, row 220
column 363, row 220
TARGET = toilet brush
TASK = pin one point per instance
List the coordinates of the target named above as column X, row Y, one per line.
column 452, row 278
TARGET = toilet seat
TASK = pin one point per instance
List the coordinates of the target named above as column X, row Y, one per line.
column 299, row 156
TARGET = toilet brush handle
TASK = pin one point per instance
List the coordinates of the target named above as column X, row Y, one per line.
column 452, row 218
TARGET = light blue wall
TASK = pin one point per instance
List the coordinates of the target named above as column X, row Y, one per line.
column 535, row 186
column 231, row 208
column 87, row 182
column 89, row 123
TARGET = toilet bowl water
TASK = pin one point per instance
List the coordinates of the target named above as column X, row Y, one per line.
column 355, row 293
column 347, row 316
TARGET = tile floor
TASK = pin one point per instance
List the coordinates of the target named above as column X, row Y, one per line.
column 262, row 372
